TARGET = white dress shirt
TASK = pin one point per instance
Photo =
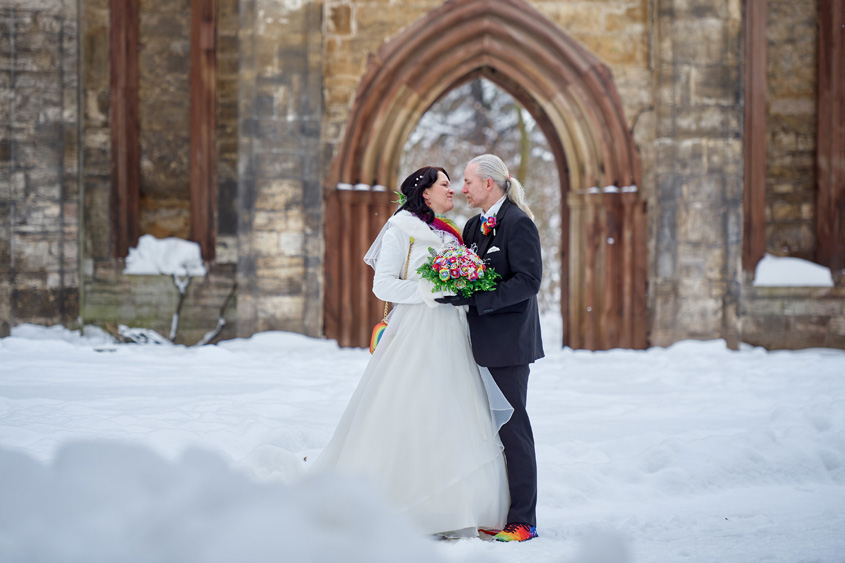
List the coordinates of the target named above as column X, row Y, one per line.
column 493, row 209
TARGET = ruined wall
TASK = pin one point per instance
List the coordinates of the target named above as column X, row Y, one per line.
column 280, row 201
column 696, row 212
column 287, row 78
column 38, row 163
column 352, row 31
column 164, row 68
column 617, row 31
column 792, row 317
column 228, row 57
column 791, row 127
column 109, row 297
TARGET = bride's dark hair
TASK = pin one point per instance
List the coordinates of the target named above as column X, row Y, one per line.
column 413, row 188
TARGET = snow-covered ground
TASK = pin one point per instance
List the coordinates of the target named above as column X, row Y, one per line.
column 691, row 453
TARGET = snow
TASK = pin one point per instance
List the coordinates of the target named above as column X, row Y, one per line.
column 691, row 453
column 783, row 271
column 168, row 256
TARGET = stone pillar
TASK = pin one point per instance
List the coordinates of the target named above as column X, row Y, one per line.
column 38, row 163
column 280, row 235
column 698, row 204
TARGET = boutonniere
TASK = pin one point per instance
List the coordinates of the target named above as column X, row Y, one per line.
column 488, row 225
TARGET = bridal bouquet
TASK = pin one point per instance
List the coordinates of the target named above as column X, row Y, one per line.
column 459, row 270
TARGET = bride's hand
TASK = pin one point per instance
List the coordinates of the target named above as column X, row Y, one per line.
column 429, row 297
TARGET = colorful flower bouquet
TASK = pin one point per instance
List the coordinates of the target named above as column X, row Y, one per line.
column 459, row 270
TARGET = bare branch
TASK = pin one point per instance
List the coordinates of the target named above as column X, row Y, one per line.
column 221, row 320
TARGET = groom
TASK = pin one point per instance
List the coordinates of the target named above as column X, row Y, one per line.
column 504, row 323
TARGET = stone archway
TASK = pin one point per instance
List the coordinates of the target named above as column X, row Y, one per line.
column 570, row 93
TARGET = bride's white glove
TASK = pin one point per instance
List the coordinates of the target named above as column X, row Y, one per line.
column 424, row 289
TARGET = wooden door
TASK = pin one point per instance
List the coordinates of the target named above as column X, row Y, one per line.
column 607, row 271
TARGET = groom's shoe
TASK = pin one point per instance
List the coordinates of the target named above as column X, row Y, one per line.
column 516, row 531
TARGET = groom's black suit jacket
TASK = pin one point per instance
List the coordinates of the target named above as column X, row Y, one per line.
column 505, row 324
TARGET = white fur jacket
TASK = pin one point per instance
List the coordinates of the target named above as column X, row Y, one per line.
column 388, row 284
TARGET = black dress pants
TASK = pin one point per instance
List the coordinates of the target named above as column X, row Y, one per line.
column 518, row 440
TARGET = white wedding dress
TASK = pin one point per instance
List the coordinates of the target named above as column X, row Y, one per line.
column 420, row 424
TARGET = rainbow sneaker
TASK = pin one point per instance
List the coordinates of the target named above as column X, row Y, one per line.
column 516, row 532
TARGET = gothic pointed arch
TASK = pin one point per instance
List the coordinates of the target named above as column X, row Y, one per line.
column 567, row 88
column 571, row 95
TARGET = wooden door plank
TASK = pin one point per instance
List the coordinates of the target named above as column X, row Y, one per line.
column 754, row 194
column 125, row 163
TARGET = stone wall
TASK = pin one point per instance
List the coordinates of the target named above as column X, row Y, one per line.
column 38, row 163
column 794, row 317
column 164, row 69
column 287, row 79
column 353, row 30
column 696, row 212
column 618, row 31
column 228, row 57
column 280, row 198
column 791, row 127
column 110, row 298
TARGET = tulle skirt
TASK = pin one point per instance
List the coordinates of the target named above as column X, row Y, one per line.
column 420, row 426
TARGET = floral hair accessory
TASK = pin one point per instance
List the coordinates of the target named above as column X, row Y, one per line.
column 487, row 225
column 401, row 198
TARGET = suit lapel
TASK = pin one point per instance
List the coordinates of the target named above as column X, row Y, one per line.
column 487, row 240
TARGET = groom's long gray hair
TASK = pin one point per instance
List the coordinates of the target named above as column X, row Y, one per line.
column 491, row 166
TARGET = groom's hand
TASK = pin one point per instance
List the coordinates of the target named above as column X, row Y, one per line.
column 455, row 300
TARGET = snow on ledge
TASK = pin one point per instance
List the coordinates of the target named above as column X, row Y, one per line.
column 154, row 256
column 775, row 271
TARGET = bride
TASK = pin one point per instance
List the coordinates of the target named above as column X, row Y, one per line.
column 423, row 421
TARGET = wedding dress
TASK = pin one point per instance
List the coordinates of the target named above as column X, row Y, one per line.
column 423, row 422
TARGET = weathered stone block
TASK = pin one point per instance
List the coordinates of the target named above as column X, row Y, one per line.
column 698, row 9
column 714, row 85
column 580, row 22
column 695, row 224
column 782, row 210
column 281, row 312
column 704, row 189
column 715, row 121
column 699, row 318
column 697, row 261
column 700, row 41
column 617, row 49
column 292, row 243
column 340, row 19
column 690, row 156
column 278, row 194
column 724, row 156
column 631, row 18
column 37, row 216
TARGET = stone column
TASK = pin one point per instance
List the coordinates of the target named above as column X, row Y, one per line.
column 38, row 163
column 280, row 235
column 698, row 204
